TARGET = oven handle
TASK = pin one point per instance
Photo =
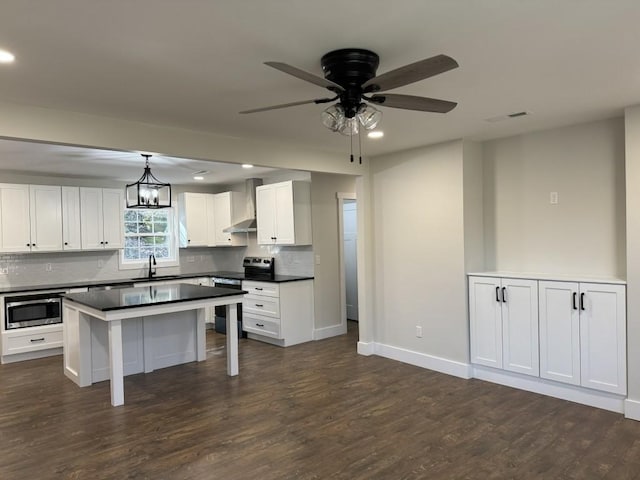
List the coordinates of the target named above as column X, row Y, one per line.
column 33, row 302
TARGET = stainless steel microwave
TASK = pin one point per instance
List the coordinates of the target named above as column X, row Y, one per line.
column 32, row 310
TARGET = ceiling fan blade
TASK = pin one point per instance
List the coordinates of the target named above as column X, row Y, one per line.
column 292, row 104
column 410, row 73
column 410, row 102
column 309, row 77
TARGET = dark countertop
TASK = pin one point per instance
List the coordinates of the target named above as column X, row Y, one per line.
column 124, row 282
column 123, row 298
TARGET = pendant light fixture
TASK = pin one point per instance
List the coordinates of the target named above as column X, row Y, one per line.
column 148, row 191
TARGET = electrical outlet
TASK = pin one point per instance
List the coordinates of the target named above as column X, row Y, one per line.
column 48, row 267
column 418, row 331
column 4, row 271
column 191, row 259
column 317, row 259
column 553, row 198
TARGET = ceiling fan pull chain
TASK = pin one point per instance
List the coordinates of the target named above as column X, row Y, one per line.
column 351, row 142
column 360, row 145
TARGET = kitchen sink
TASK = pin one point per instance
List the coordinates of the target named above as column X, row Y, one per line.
column 156, row 277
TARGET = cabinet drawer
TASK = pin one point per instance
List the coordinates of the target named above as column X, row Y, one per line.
column 19, row 342
column 261, row 305
column 261, row 325
column 261, row 288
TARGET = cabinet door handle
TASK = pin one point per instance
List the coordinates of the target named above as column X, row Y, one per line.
column 37, row 340
column 66, row 243
column 259, row 305
column 259, row 324
column 504, row 294
column 106, row 243
column 582, row 301
column 575, row 307
column 258, row 288
column 28, row 244
column 497, row 294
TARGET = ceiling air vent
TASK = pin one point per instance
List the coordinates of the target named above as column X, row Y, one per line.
column 507, row 117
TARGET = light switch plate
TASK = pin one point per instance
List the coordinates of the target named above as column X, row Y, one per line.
column 553, row 198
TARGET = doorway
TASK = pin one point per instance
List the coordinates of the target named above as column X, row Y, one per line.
column 348, row 220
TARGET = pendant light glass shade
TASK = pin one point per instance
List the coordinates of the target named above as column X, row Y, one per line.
column 350, row 127
column 333, row 117
column 148, row 191
column 369, row 116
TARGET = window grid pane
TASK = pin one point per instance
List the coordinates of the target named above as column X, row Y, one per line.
column 147, row 233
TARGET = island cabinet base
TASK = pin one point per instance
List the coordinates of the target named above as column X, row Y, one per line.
column 148, row 344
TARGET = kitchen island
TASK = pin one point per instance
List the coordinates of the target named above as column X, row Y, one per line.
column 108, row 334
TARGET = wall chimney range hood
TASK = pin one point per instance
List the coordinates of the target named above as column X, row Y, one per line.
column 249, row 224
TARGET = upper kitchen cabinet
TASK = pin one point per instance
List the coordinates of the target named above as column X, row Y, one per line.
column 195, row 221
column 283, row 213
column 228, row 208
column 101, row 218
column 71, row 238
column 30, row 218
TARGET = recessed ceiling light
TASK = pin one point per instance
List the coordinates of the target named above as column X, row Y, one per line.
column 376, row 134
column 198, row 178
column 6, row 57
column 247, row 165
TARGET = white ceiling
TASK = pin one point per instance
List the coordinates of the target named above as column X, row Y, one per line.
column 195, row 63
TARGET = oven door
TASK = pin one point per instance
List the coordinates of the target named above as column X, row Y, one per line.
column 32, row 310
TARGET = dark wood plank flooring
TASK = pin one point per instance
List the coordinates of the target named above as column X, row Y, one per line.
column 314, row 411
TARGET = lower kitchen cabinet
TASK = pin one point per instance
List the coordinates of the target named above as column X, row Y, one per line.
column 583, row 334
column 278, row 313
column 503, row 314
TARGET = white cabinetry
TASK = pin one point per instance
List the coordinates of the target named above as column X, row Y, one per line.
column 30, row 218
column 278, row 313
column 71, row 238
column 283, row 212
column 101, row 218
column 195, row 223
column 503, row 316
column 583, row 334
column 228, row 207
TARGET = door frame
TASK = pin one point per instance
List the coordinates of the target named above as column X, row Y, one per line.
column 342, row 196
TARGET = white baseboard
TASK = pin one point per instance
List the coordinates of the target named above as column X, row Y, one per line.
column 328, row 332
column 366, row 348
column 20, row 357
column 439, row 364
column 632, row 409
column 604, row 400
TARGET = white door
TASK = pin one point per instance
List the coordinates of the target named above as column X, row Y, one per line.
column 14, row 214
column 520, row 326
column 285, row 226
column 196, row 219
column 559, row 332
column 485, row 311
column 46, row 218
column 91, row 224
column 265, row 214
column 603, row 337
column 222, row 217
column 71, row 218
column 350, row 225
column 113, row 217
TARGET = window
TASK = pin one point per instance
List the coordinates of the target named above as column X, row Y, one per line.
column 148, row 232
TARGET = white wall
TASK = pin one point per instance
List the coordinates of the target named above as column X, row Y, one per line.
column 585, row 232
column 418, row 218
column 324, row 217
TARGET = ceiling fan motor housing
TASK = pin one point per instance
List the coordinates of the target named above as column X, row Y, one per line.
column 350, row 68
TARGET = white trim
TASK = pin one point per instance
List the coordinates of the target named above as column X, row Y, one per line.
column 585, row 396
column 366, row 348
column 342, row 196
column 431, row 362
column 328, row 332
column 346, row 196
column 20, row 357
column 632, row 409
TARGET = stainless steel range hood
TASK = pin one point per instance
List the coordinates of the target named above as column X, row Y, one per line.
column 248, row 224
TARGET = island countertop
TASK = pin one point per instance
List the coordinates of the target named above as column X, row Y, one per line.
column 133, row 297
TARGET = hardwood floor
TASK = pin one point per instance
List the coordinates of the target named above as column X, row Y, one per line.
column 313, row 411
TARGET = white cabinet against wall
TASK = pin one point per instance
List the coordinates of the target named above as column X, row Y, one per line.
column 195, row 223
column 30, row 218
column 101, row 218
column 228, row 208
column 503, row 315
column 583, row 334
column 284, row 213
column 71, row 238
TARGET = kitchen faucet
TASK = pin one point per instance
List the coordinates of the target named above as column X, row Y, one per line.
column 152, row 271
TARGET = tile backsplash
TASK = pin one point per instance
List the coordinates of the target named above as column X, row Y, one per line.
column 53, row 268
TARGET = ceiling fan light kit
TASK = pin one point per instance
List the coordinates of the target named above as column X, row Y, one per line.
column 350, row 74
column 148, row 191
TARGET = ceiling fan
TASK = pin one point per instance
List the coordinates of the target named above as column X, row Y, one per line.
column 350, row 74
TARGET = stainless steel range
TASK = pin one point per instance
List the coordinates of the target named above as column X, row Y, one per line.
column 254, row 268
